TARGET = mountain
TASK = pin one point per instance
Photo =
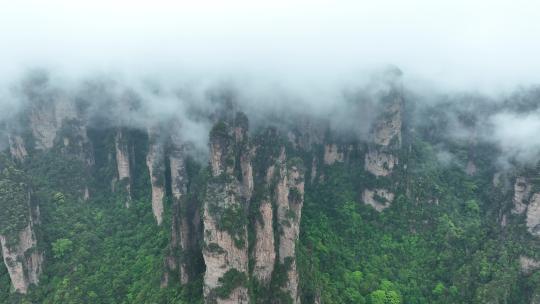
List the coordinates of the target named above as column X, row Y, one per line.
column 394, row 198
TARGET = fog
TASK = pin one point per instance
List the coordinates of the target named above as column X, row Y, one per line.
column 305, row 56
column 459, row 44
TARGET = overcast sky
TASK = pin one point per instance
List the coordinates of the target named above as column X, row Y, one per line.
column 459, row 43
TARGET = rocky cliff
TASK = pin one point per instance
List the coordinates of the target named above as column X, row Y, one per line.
column 526, row 201
column 385, row 141
column 224, row 218
column 123, row 164
column 289, row 202
column 155, row 161
column 18, row 221
column 182, row 231
column 255, row 189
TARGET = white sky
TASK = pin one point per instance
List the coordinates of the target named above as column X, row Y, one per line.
column 461, row 44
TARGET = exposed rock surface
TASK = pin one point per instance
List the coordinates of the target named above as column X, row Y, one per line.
column 385, row 138
column 123, row 163
column 332, row 154
column 46, row 119
column 533, row 215
column 379, row 199
column 49, row 119
column 471, row 168
column 278, row 200
column 18, row 241
column 528, row 203
column 522, row 193
column 56, row 122
column 22, row 259
column 380, row 163
column 264, row 248
column 381, row 157
column 225, row 233
column 289, row 202
column 264, row 251
column 17, row 148
column 155, row 161
column 180, row 228
column 528, row 264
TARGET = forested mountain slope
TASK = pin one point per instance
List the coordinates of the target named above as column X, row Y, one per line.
column 408, row 202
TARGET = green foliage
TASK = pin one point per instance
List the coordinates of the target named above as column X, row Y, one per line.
column 233, row 220
column 219, row 130
column 59, row 198
column 15, row 201
column 439, row 242
column 439, row 289
column 61, row 247
column 97, row 251
column 230, row 281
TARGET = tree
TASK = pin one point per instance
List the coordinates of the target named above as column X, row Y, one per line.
column 61, row 247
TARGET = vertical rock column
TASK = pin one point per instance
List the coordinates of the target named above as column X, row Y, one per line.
column 522, row 193
column 123, row 164
column 268, row 147
column 264, row 253
column 289, row 202
column 17, row 230
column 180, row 229
column 381, row 157
column 225, row 249
column 17, row 148
column 527, row 201
column 155, row 161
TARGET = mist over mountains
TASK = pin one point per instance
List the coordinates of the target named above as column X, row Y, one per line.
column 325, row 152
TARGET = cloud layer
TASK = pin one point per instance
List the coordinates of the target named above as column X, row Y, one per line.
column 460, row 44
column 310, row 57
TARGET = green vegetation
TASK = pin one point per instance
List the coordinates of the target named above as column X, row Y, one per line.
column 14, row 201
column 96, row 251
column 61, row 247
column 230, row 280
column 441, row 240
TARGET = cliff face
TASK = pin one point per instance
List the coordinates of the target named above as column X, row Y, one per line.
column 527, row 202
column 263, row 205
column 51, row 122
column 57, row 123
column 17, row 148
column 255, row 189
column 22, row 259
column 522, row 193
column 332, row 154
column 18, row 222
column 123, row 163
column 385, row 141
column 155, row 161
column 385, row 138
column 225, row 249
column 264, row 249
column 533, row 215
column 289, row 202
column 182, row 233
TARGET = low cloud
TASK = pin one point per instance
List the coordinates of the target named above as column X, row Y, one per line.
column 517, row 136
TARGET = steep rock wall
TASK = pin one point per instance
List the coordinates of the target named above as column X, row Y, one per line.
column 382, row 155
column 22, row 259
column 155, row 161
column 181, row 230
column 289, row 202
column 123, row 163
column 225, row 249
column 18, row 241
column 522, row 193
